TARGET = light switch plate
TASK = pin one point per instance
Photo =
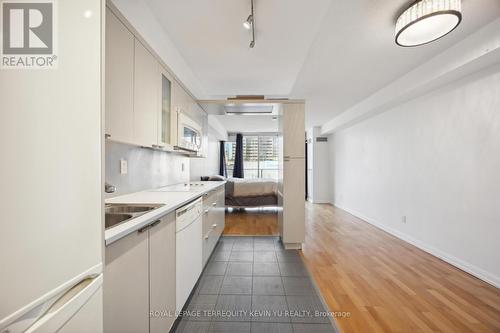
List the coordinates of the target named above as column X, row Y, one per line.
column 123, row 166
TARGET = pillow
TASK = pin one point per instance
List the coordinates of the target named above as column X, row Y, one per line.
column 217, row 178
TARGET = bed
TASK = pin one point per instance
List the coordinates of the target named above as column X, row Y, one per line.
column 251, row 192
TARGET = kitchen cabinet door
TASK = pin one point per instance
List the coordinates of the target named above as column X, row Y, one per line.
column 126, row 285
column 162, row 274
column 146, row 99
column 293, row 131
column 293, row 224
column 119, row 113
column 209, row 202
column 179, row 104
column 165, row 110
column 221, row 212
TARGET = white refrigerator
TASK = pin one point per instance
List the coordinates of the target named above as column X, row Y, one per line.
column 51, row 189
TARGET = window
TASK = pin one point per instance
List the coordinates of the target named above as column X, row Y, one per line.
column 260, row 156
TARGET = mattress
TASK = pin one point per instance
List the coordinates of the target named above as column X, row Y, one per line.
column 252, row 201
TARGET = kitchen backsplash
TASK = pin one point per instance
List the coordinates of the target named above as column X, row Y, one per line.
column 147, row 168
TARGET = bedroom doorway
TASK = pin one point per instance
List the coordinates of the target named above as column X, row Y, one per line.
column 251, row 201
column 250, row 158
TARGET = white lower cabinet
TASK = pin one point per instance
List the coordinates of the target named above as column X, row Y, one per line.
column 140, row 270
column 126, row 285
column 162, row 275
column 139, row 280
column 213, row 220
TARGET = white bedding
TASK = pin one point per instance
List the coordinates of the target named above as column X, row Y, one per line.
column 254, row 187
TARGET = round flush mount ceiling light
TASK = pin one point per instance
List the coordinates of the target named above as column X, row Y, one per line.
column 427, row 20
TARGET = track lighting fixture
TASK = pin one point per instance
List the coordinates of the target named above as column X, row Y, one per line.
column 249, row 24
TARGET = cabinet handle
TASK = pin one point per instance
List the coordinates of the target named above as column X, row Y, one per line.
column 214, row 226
column 184, row 211
column 145, row 228
column 206, row 211
column 214, row 204
column 155, row 223
column 107, row 136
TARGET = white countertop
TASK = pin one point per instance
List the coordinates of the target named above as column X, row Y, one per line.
column 171, row 200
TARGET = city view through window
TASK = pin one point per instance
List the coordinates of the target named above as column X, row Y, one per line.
column 260, row 156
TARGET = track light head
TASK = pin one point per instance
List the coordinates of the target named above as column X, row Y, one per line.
column 248, row 23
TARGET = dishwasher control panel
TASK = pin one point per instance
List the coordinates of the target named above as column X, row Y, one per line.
column 187, row 214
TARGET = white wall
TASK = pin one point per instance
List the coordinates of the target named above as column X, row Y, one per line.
column 209, row 165
column 147, row 168
column 321, row 169
column 435, row 160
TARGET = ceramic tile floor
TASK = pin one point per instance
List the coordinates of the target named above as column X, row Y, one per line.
column 251, row 284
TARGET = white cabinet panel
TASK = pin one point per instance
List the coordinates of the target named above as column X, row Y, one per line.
column 88, row 318
column 146, row 98
column 293, row 131
column 162, row 274
column 165, row 115
column 119, row 80
column 213, row 221
column 291, row 180
column 293, row 201
column 126, row 285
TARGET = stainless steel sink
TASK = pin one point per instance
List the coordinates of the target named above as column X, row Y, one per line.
column 119, row 213
column 129, row 208
column 110, row 220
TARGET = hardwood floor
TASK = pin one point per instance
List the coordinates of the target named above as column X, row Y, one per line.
column 388, row 285
column 251, row 222
column 383, row 283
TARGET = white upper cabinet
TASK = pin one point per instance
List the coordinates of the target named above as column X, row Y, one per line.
column 146, row 99
column 143, row 100
column 119, row 113
column 165, row 111
column 293, row 131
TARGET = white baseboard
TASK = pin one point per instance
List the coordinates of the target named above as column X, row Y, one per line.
column 318, row 201
column 465, row 266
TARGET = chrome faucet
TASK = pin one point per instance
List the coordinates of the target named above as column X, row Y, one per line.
column 108, row 188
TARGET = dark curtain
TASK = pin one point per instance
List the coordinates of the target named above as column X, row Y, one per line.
column 238, row 158
column 222, row 160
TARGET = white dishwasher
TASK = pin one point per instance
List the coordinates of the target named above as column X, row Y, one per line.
column 188, row 249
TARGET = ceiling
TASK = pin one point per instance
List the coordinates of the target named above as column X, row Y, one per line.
column 213, row 42
column 333, row 53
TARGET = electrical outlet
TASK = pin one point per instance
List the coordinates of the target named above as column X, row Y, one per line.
column 404, row 219
column 123, row 166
